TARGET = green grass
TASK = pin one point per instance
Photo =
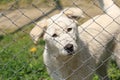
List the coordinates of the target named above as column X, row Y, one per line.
column 6, row 1
column 16, row 60
column 113, row 71
column 18, row 63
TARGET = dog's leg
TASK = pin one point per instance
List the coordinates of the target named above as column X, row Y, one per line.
column 117, row 54
column 102, row 71
column 102, row 66
column 117, row 51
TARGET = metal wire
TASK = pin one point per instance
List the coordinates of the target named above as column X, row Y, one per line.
column 16, row 43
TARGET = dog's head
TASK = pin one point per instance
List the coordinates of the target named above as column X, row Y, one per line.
column 71, row 13
column 61, row 35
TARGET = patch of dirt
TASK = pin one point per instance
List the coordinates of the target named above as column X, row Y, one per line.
column 18, row 18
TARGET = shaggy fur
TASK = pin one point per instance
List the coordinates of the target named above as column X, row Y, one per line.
column 99, row 35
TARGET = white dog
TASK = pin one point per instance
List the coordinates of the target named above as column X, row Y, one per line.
column 64, row 54
column 75, row 53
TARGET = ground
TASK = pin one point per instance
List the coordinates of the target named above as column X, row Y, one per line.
column 12, row 20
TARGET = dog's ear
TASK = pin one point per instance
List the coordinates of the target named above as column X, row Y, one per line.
column 73, row 12
column 38, row 30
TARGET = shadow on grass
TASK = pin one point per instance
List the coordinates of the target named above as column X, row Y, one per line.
column 42, row 42
column 1, row 37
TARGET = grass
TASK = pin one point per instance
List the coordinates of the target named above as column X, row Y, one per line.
column 17, row 62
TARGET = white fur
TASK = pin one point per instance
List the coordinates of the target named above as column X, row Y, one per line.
column 60, row 64
column 100, row 32
column 102, row 27
column 38, row 30
column 73, row 12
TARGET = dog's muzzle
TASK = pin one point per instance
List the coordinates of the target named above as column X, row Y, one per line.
column 69, row 48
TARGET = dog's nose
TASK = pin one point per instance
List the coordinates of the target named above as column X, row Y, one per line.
column 69, row 48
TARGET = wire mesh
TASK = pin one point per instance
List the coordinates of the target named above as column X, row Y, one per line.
column 97, row 41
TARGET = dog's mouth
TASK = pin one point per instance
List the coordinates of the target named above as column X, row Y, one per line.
column 69, row 48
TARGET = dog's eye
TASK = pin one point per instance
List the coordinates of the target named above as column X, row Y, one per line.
column 54, row 35
column 74, row 17
column 69, row 29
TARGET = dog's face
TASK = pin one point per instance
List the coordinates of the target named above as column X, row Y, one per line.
column 71, row 13
column 62, row 35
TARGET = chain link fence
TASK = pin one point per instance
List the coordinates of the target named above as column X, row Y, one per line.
column 21, row 59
